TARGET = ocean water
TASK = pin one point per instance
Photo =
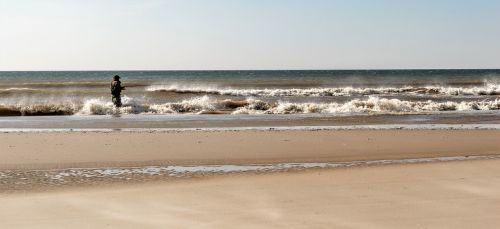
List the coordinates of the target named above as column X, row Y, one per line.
column 167, row 98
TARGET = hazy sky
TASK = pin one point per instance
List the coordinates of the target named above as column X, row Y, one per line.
column 248, row 34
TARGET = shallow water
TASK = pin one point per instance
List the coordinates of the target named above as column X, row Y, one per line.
column 15, row 180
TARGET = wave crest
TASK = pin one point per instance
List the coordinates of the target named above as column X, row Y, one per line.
column 487, row 89
column 197, row 105
column 38, row 109
column 208, row 105
column 371, row 105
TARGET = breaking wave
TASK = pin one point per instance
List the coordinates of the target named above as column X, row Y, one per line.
column 487, row 89
column 131, row 106
column 208, row 105
column 37, row 109
column 13, row 90
column 371, row 105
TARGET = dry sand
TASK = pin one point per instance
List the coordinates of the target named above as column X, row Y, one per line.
column 434, row 195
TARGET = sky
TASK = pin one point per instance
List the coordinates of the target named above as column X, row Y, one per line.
column 248, row 34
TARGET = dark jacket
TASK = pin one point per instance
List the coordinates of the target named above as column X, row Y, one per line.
column 116, row 87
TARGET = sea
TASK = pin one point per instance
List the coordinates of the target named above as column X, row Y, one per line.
column 278, row 98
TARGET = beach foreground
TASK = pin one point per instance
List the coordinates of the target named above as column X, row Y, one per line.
column 433, row 195
column 70, row 179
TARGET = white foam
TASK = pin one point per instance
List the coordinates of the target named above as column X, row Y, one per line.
column 130, row 105
column 17, row 89
column 206, row 104
column 487, row 89
column 267, row 128
column 370, row 105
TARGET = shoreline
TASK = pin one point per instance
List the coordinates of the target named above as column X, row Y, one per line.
column 263, row 128
column 186, row 121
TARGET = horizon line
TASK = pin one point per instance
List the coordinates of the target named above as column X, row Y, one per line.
column 276, row 69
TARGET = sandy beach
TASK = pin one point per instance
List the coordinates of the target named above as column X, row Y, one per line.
column 433, row 195
column 249, row 114
column 93, row 149
column 457, row 194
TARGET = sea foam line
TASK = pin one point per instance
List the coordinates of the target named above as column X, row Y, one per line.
column 266, row 128
column 61, row 176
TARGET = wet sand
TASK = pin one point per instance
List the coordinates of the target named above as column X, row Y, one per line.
column 433, row 195
column 92, row 149
column 230, row 121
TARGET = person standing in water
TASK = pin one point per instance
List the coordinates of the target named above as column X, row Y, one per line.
column 116, row 90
